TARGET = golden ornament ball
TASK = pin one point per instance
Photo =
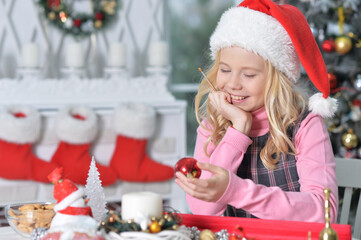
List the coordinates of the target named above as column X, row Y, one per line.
column 98, row 24
column 155, row 227
column 349, row 139
column 207, row 235
column 343, row 44
column 51, row 16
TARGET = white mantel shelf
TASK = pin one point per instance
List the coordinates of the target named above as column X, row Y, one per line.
column 94, row 92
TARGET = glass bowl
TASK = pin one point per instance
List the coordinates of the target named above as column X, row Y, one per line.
column 25, row 217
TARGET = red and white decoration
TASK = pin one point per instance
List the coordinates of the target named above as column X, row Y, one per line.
column 73, row 218
column 76, row 128
column 134, row 125
column 19, row 129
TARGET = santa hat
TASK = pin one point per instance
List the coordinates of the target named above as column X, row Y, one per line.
column 281, row 35
column 65, row 191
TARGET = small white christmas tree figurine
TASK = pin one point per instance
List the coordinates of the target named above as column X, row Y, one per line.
column 94, row 191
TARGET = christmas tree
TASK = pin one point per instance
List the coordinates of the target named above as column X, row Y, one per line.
column 95, row 193
column 336, row 27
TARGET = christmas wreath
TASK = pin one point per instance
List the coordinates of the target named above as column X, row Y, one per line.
column 61, row 15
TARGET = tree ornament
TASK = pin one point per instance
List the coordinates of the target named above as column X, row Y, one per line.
column 99, row 16
column 207, row 235
column 188, row 166
column 349, row 139
column 357, row 83
column 333, row 80
column 343, row 44
column 53, row 3
column 62, row 16
column 76, row 22
column 51, row 16
column 328, row 45
column 94, row 191
column 109, row 6
column 98, row 24
column 155, row 227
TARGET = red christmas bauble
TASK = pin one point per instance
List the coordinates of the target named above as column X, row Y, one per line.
column 99, row 16
column 188, row 166
column 328, row 45
column 333, row 80
column 77, row 22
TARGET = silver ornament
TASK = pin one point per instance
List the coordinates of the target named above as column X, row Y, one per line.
column 195, row 232
column 357, row 83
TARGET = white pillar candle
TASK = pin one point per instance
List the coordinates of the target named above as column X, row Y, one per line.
column 74, row 55
column 136, row 204
column 158, row 54
column 30, row 55
column 117, row 55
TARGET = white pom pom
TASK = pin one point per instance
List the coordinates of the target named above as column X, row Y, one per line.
column 319, row 105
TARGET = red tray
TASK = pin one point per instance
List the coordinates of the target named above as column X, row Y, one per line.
column 264, row 229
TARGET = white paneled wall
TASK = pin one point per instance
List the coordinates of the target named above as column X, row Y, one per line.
column 21, row 21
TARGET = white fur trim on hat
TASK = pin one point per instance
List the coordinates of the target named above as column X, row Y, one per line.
column 19, row 129
column 66, row 202
column 259, row 33
column 135, row 120
column 325, row 107
column 72, row 130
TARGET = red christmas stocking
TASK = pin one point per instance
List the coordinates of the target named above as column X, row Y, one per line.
column 134, row 125
column 19, row 129
column 76, row 127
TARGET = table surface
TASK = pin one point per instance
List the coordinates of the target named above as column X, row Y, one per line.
column 9, row 234
column 265, row 229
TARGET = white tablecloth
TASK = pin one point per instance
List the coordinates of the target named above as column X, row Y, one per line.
column 9, row 234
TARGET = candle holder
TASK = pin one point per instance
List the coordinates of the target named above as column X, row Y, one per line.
column 116, row 73
column 25, row 73
column 72, row 73
column 152, row 71
column 328, row 233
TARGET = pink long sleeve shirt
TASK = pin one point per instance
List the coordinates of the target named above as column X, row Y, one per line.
column 315, row 166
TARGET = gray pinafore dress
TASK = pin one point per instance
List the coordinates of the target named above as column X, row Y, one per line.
column 284, row 176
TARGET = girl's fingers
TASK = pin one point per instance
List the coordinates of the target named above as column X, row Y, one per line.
column 190, row 190
column 193, row 184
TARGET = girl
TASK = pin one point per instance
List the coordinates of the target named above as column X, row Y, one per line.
column 263, row 153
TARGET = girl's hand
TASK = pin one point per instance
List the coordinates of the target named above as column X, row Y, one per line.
column 241, row 120
column 209, row 190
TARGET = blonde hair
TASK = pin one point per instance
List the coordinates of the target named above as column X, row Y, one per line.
column 279, row 91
